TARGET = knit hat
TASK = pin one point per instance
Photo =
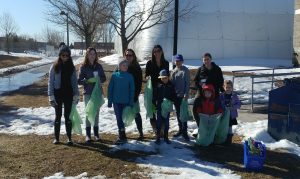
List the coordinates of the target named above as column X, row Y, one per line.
column 64, row 49
column 178, row 57
column 122, row 61
column 163, row 73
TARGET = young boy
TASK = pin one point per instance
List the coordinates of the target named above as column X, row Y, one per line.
column 180, row 78
column 121, row 94
column 230, row 100
column 165, row 90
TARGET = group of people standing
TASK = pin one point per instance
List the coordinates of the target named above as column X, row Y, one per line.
column 125, row 86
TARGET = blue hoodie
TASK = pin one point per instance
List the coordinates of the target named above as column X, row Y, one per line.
column 121, row 88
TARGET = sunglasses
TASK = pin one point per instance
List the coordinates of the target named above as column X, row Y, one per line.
column 64, row 55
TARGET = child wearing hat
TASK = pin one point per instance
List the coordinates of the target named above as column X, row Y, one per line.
column 180, row 78
column 165, row 90
column 121, row 94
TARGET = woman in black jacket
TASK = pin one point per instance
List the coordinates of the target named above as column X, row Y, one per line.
column 136, row 71
column 153, row 67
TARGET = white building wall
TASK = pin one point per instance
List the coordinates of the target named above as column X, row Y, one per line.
column 227, row 29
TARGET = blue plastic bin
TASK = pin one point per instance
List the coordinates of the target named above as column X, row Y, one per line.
column 254, row 162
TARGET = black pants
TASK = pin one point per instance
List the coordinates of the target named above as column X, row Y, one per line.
column 182, row 125
column 66, row 100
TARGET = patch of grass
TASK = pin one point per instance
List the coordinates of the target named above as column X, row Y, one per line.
column 9, row 61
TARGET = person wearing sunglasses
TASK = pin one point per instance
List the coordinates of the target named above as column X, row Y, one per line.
column 153, row 67
column 63, row 91
column 90, row 69
column 136, row 71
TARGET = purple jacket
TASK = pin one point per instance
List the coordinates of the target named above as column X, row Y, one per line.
column 235, row 104
column 86, row 72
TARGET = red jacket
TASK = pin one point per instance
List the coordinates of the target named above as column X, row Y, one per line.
column 209, row 105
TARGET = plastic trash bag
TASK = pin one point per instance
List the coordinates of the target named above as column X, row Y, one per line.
column 207, row 128
column 95, row 102
column 166, row 107
column 76, row 120
column 128, row 115
column 222, row 130
column 185, row 113
column 136, row 107
column 92, row 80
column 148, row 94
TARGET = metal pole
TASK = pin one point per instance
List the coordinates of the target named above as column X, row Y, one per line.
column 252, row 94
column 67, row 28
column 273, row 78
column 175, row 38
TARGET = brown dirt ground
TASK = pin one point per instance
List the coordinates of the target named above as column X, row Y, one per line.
column 35, row 156
column 8, row 61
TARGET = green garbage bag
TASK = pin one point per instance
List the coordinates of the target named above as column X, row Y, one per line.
column 92, row 80
column 148, row 92
column 166, row 107
column 207, row 129
column 95, row 102
column 136, row 107
column 222, row 130
column 185, row 113
column 76, row 120
column 128, row 115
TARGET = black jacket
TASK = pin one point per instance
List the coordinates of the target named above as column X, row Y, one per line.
column 213, row 76
column 165, row 91
column 153, row 70
column 137, row 74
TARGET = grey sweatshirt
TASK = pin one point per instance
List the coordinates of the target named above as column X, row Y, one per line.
column 181, row 80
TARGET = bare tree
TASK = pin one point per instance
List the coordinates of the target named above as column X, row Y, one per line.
column 129, row 17
column 84, row 16
column 8, row 27
column 51, row 36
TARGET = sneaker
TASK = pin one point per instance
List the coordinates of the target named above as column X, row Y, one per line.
column 97, row 139
column 120, row 141
column 55, row 141
column 69, row 142
column 195, row 135
column 87, row 140
column 167, row 140
column 177, row 134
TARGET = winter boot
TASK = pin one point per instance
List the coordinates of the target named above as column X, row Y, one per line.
column 166, row 138
column 88, row 135
column 122, row 138
column 96, row 133
column 69, row 132
column 56, row 132
column 185, row 136
column 153, row 124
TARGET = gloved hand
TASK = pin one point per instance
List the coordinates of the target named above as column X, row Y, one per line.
column 91, row 80
column 109, row 105
column 75, row 99
column 52, row 101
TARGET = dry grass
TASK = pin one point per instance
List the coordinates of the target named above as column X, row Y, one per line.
column 35, row 156
column 8, row 61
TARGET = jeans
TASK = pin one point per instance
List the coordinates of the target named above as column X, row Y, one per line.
column 118, row 108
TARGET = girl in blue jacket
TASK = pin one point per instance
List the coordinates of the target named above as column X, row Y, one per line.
column 121, row 94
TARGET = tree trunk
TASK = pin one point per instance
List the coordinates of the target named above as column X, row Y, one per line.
column 88, row 40
column 7, row 44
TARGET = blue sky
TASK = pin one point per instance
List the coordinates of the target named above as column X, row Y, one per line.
column 30, row 16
